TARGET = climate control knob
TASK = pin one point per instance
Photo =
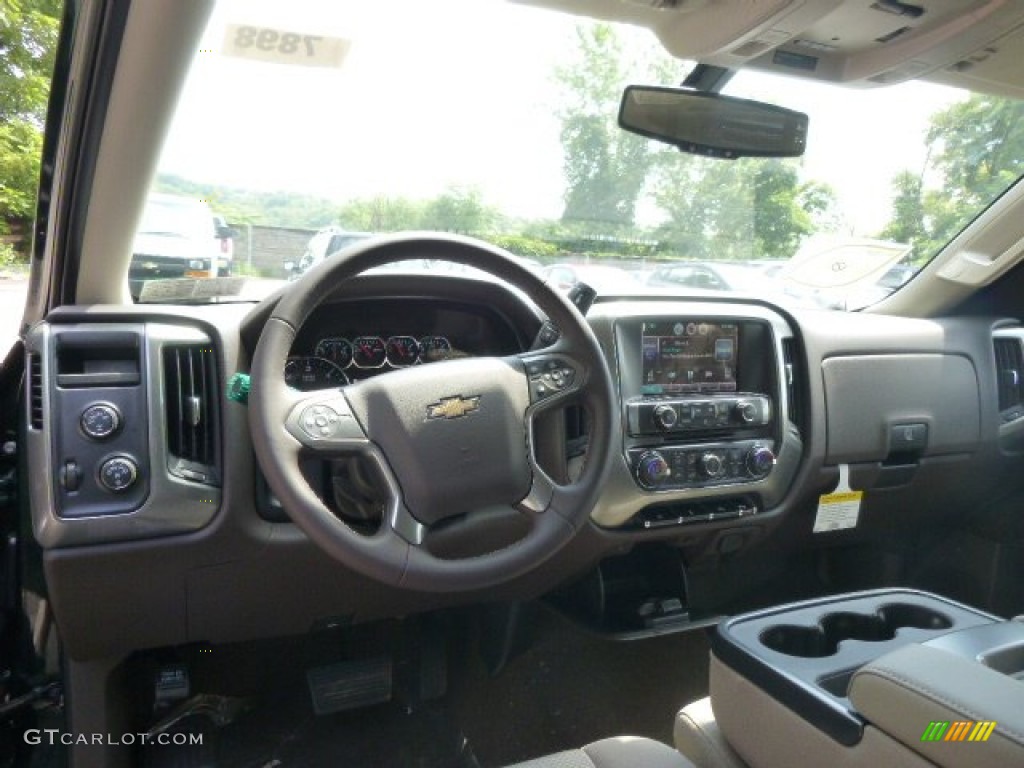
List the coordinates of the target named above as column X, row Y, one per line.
column 652, row 470
column 118, row 474
column 760, row 461
column 665, row 416
column 711, row 465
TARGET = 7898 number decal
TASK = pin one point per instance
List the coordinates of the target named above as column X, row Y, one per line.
column 283, row 47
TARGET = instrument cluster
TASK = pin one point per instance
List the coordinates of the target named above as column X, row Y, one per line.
column 336, row 360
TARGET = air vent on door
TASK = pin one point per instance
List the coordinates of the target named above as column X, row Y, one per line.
column 794, row 383
column 1009, row 373
column 35, row 391
column 190, row 386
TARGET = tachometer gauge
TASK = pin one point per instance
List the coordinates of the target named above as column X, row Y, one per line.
column 309, row 373
column 434, row 348
column 338, row 351
column 402, row 351
column 369, row 352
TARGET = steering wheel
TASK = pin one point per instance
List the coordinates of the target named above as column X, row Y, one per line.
column 449, row 439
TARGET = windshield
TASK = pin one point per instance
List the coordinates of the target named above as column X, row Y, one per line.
column 499, row 121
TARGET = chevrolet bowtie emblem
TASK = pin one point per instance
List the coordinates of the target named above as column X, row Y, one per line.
column 453, row 407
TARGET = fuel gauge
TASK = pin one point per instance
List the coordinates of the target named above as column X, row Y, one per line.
column 435, row 348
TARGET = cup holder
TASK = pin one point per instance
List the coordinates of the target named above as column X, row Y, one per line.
column 809, row 642
column 899, row 615
column 833, row 628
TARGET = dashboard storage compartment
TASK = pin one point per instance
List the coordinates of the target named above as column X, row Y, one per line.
column 805, row 654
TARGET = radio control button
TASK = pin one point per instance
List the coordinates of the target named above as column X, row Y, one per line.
column 746, row 411
column 665, row 416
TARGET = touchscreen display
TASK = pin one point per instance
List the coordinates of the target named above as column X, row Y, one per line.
column 681, row 356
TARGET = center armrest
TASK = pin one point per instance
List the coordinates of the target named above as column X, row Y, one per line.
column 905, row 692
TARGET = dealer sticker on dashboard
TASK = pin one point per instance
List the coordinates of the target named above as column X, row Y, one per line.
column 840, row 509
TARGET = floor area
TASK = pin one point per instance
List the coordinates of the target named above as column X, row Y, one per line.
column 566, row 688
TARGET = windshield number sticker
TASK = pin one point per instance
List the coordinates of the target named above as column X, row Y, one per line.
column 282, row 47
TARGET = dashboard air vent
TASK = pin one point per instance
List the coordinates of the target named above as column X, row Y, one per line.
column 1009, row 373
column 190, row 384
column 35, row 391
column 794, row 377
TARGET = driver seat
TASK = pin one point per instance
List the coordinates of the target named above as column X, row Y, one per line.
column 618, row 752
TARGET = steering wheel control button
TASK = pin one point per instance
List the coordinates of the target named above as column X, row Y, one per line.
column 549, row 377
column 118, row 474
column 323, row 422
column 653, row 470
column 320, row 421
column 100, row 421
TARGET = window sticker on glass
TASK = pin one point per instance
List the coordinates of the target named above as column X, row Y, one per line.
column 279, row 46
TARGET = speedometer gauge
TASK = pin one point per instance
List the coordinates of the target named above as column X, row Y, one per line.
column 434, row 348
column 309, row 373
column 369, row 352
column 402, row 351
column 338, row 351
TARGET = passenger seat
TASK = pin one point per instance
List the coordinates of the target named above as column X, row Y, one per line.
column 619, row 752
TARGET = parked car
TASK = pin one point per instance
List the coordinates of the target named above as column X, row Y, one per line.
column 602, row 278
column 322, row 246
column 179, row 237
column 736, row 277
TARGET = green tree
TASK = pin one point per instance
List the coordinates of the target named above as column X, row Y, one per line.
column 739, row 209
column 460, row 210
column 21, row 144
column 975, row 151
column 381, row 214
column 907, row 222
column 605, row 167
column 28, row 38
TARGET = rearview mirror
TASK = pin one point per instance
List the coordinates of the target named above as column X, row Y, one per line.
column 711, row 124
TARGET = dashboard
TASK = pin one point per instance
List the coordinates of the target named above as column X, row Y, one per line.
column 732, row 418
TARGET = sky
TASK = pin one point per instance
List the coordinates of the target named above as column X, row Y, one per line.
column 461, row 94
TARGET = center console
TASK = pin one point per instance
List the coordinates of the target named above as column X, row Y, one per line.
column 703, row 415
column 886, row 677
